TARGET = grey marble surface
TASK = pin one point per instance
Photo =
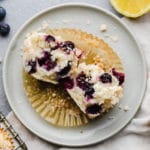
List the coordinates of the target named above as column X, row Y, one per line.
column 18, row 11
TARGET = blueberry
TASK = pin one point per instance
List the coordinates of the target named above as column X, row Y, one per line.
column 32, row 65
column 120, row 76
column 82, row 83
column 67, row 82
column 106, row 78
column 94, row 109
column 65, row 70
column 85, row 85
column 68, row 45
column 49, row 64
column 46, row 62
column 4, row 29
column 2, row 13
column 46, row 56
column 55, row 47
column 49, row 38
column 89, row 92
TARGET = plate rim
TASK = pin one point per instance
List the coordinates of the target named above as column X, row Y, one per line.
column 75, row 4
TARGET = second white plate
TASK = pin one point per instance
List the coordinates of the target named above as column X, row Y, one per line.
column 88, row 18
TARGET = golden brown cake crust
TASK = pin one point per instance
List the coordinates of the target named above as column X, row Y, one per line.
column 6, row 142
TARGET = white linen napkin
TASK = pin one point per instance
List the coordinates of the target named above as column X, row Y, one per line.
column 137, row 134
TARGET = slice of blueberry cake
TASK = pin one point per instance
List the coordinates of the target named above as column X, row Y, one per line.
column 49, row 58
column 94, row 90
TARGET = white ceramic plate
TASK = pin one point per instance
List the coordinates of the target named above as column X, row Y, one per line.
column 88, row 18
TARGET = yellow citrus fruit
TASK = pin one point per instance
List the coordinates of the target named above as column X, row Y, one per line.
column 131, row 8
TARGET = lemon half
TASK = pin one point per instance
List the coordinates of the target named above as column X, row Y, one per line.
column 131, row 8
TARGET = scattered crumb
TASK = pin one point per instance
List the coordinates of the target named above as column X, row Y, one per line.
column 88, row 22
column 120, row 107
column 81, row 131
column 103, row 27
column 126, row 108
column 111, row 117
column 54, row 95
column 114, row 38
column 1, row 60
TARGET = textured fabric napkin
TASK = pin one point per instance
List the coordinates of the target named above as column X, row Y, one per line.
column 137, row 134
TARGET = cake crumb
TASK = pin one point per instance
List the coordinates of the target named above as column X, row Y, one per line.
column 103, row 27
column 81, row 131
column 114, row 38
column 120, row 107
column 111, row 117
column 54, row 95
column 88, row 22
column 126, row 108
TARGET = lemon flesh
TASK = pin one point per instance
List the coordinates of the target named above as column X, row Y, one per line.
column 131, row 8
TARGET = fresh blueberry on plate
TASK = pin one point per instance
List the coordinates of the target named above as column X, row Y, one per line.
column 2, row 13
column 4, row 29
